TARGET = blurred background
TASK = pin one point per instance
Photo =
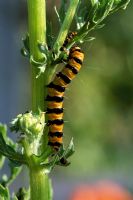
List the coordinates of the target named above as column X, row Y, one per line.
column 98, row 104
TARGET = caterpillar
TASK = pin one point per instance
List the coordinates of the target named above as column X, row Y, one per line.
column 70, row 36
column 55, row 96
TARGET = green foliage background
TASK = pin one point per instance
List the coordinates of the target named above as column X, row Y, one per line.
column 99, row 102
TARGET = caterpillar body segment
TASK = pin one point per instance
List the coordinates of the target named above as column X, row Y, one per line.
column 68, row 39
column 55, row 97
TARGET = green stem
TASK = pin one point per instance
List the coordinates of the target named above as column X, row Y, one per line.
column 37, row 91
column 39, row 184
column 37, row 26
column 37, row 34
column 66, row 24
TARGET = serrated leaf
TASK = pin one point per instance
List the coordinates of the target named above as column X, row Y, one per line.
column 90, row 14
column 10, row 153
column 61, row 151
column 69, row 150
column 60, row 158
column 65, row 153
column 4, row 193
column 102, row 11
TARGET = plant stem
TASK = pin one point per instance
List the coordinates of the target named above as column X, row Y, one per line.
column 37, row 34
column 39, row 184
column 37, row 91
column 66, row 24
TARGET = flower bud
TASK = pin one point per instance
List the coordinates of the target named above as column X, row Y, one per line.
column 29, row 123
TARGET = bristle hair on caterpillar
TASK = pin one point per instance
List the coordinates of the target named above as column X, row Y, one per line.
column 55, row 96
column 56, row 90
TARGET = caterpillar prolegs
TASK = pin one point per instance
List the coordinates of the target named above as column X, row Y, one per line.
column 55, row 96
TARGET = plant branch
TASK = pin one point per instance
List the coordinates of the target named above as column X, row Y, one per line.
column 37, row 34
column 39, row 184
column 66, row 24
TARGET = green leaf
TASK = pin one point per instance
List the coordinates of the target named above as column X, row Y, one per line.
column 40, row 65
column 45, row 155
column 64, row 154
column 4, row 193
column 119, row 4
column 3, row 131
column 14, row 198
column 23, row 194
column 102, row 11
column 88, row 39
column 41, row 70
column 14, row 172
column 58, row 16
column 50, row 35
column 9, row 152
column 62, row 10
column 69, row 150
column 15, row 124
column 60, row 158
column 90, row 14
column 94, row 2
column 36, row 63
column 50, row 165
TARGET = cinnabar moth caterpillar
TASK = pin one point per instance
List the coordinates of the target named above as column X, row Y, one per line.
column 68, row 39
column 55, row 97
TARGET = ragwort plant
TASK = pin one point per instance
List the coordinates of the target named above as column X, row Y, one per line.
column 44, row 52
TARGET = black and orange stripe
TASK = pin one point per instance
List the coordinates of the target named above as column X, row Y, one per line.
column 55, row 96
column 68, row 39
